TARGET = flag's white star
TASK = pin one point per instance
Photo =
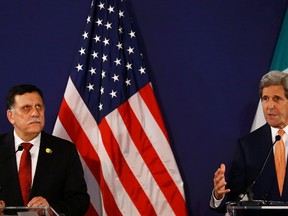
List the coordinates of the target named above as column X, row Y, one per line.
column 120, row 29
column 113, row 94
column 130, row 50
column 101, row 5
column 90, row 87
column 142, row 70
column 100, row 106
column 99, row 22
column 94, row 54
column 102, row 90
column 88, row 19
column 128, row 66
column 85, row 35
column 79, row 67
column 97, row 38
column 132, row 34
column 115, row 78
column 108, row 25
column 121, row 14
column 119, row 45
column 92, row 70
column 106, row 41
column 117, row 61
column 110, row 9
column 128, row 82
column 104, row 58
column 82, row 51
column 103, row 74
column 92, row 4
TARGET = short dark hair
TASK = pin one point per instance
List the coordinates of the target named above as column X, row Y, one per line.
column 20, row 90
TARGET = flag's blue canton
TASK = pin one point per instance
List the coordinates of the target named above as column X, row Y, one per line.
column 109, row 67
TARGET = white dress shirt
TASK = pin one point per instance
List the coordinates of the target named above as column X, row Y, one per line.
column 34, row 151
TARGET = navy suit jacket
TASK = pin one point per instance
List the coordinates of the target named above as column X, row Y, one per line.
column 251, row 152
column 59, row 175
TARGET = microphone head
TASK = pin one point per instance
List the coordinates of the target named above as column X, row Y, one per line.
column 277, row 138
column 20, row 148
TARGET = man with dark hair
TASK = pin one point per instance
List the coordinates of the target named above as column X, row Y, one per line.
column 57, row 178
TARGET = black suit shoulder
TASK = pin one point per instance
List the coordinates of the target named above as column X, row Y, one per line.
column 6, row 145
column 58, row 144
column 54, row 140
column 260, row 136
column 256, row 133
column 6, row 137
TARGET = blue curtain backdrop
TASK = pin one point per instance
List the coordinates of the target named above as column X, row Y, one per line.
column 205, row 59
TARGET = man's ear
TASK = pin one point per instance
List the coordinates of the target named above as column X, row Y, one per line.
column 10, row 116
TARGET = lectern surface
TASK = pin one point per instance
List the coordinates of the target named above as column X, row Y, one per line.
column 27, row 211
column 257, row 210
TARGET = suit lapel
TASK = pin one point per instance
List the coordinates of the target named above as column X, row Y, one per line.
column 43, row 166
column 268, row 178
column 272, row 169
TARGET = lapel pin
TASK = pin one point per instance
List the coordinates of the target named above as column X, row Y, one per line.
column 48, row 151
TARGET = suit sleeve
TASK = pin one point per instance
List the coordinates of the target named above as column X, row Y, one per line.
column 236, row 178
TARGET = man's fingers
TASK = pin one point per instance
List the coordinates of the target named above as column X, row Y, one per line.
column 223, row 167
column 219, row 179
column 38, row 201
column 2, row 203
column 220, row 194
column 220, row 183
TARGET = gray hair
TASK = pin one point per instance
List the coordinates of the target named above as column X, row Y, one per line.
column 274, row 78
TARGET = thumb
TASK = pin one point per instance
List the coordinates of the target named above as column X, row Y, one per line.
column 223, row 168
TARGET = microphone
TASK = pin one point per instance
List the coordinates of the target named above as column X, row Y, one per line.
column 248, row 190
column 20, row 148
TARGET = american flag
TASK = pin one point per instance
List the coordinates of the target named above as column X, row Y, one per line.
column 111, row 114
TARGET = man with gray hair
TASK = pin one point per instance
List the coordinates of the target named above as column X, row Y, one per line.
column 258, row 168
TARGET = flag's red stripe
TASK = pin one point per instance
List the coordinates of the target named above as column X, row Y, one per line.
column 126, row 176
column 108, row 200
column 91, row 211
column 80, row 139
column 149, row 98
column 153, row 162
column 90, row 157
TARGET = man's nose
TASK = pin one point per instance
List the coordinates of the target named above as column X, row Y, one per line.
column 35, row 112
column 271, row 104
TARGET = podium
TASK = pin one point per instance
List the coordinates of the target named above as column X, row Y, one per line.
column 260, row 208
column 27, row 211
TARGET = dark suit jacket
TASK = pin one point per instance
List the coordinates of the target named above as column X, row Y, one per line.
column 251, row 152
column 58, row 177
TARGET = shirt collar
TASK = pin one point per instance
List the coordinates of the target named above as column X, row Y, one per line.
column 18, row 141
column 274, row 132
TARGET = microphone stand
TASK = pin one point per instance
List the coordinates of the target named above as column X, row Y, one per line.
column 248, row 190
